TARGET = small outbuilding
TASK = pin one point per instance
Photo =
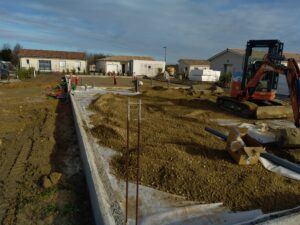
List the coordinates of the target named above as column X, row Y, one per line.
column 53, row 61
column 130, row 65
column 186, row 66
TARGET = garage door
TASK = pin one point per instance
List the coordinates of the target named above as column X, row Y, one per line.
column 111, row 68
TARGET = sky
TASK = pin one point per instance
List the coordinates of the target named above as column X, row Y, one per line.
column 188, row 28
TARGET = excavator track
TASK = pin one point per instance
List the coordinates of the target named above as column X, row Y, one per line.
column 241, row 108
column 274, row 109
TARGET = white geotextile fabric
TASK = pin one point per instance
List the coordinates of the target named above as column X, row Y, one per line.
column 279, row 169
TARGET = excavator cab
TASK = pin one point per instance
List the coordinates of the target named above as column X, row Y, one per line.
column 259, row 52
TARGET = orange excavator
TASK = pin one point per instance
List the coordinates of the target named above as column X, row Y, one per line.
column 253, row 91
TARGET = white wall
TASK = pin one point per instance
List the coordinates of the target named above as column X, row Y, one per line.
column 227, row 58
column 182, row 67
column 107, row 66
column 57, row 65
column 148, row 68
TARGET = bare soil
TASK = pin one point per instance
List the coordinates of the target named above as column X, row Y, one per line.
column 179, row 157
column 37, row 137
column 122, row 81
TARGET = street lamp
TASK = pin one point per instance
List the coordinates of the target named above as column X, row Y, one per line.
column 165, row 54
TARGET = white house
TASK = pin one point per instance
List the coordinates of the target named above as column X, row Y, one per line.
column 138, row 65
column 53, row 61
column 185, row 66
column 232, row 59
column 229, row 60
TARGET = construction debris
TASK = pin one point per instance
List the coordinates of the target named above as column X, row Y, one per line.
column 242, row 148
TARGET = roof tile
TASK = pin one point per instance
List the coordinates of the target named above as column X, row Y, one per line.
column 194, row 61
column 51, row 54
column 124, row 58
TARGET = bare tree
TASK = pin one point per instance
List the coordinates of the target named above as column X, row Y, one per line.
column 15, row 57
column 6, row 54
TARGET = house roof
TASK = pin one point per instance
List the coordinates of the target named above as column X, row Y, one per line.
column 241, row 52
column 237, row 51
column 194, row 61
column 125, row 58
column 51, row 54
column 288, row 55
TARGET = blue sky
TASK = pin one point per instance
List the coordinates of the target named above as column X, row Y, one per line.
column 189, row 28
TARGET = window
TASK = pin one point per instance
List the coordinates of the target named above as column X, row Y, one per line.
column 77, row 65
column 62, row 64
column 27, row 61
column 45, row 65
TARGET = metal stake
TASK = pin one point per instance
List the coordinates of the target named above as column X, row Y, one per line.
column 139, row 104
column 138, row 162
column 127, row 158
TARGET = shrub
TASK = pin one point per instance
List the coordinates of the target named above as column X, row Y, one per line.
column 24, row 73
column 73, row 71
column 225, row 79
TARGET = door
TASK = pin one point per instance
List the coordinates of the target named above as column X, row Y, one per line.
column 228, row 68
column 123, row 68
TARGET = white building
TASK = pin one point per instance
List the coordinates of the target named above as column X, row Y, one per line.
column 53, row 61
column 231, row 60
column 138, row 65
column 185, row 66
column 147, row 68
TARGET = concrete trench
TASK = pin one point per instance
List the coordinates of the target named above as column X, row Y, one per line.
column 107, row 193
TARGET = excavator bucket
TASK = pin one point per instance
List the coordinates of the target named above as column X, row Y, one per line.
column 273, row 112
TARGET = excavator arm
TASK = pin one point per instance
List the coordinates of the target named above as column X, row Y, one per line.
column 293, row 81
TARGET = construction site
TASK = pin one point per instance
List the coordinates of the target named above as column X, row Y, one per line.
column 160, row 150
column 109, row 131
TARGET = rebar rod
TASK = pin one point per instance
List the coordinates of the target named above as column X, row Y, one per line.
column 127, row 159
column 138, row 162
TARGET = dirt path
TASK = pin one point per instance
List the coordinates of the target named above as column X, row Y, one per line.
column 37, row 137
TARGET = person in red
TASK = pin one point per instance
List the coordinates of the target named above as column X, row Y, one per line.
column 115, row 79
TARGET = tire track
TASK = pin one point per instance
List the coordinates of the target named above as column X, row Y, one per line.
column 14, row 169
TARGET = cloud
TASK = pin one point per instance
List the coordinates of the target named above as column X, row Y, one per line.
column 189, row 28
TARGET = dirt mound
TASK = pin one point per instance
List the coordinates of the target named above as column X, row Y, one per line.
column 108, row 121
column 107, row 135
column 159, row 88
column 179, row 157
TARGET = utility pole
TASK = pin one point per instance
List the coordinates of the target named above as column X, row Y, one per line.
column 165, row 54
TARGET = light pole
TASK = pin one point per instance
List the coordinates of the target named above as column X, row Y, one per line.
column 165, row 54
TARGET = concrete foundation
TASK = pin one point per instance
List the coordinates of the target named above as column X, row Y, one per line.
column 107, row 193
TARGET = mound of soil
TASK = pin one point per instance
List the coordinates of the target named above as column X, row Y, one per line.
column 179, row 157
